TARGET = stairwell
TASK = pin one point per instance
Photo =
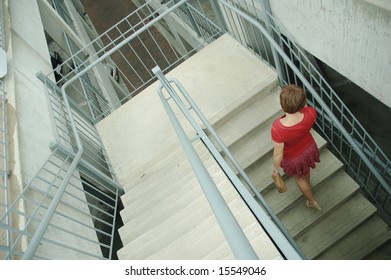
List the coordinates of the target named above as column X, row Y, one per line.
column 166, row 215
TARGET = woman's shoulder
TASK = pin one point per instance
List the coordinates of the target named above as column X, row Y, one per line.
column 277, row 120
column 276, row 124
column 308, row 109
column 309, row 114
column 277, row 131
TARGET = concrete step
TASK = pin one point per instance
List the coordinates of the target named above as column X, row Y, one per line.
column 164, row 186
column 368, row 236
column 161, row 201
column 239, row 105
column 165, row 169
column 254, row 145
column 172, row 227
column 244, row 130
column 331, row 193
column 167, row 230
column 140, row 219
column 196, row 244
column 382, row 252
column 260, row 241
column 167, row 166
column 250, row 114
column 338, row 224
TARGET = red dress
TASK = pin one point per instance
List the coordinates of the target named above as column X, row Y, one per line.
column 300, row 149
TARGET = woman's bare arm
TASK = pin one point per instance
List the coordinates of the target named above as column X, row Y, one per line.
column 277, row 156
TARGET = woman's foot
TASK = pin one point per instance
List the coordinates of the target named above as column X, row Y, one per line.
column 313, row 204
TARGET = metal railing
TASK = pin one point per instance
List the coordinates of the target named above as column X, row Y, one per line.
column 87, row 86
column 194, row 17
column 265, row 215
column 79, row 216
column 1, row 25
column 81, row 172
column 363, row 159
column 93, row 151
column 60, row 7
column 135, row 44
column 69, row 208
column 5, row 235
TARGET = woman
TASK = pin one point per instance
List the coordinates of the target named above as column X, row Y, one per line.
column 295, row 150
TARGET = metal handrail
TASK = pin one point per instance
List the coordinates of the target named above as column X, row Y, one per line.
column 235, row 237
column 267, row 217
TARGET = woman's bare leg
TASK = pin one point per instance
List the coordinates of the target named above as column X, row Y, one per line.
column 305, row 187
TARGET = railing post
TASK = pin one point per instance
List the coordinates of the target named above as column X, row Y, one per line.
column 191, row 19
column 266, row 10
column 219, row 15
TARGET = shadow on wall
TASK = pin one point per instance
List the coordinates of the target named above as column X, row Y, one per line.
column 373, row 115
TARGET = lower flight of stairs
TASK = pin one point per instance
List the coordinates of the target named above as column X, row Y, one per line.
column 348, row 226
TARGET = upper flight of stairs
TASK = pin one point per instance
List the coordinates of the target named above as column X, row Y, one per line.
column 166, row 215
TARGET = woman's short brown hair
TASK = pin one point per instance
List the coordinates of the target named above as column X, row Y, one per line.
column 292, row 99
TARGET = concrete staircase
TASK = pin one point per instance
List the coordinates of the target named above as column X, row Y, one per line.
column 166, row 215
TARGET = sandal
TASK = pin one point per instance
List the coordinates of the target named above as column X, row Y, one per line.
column 315, row 205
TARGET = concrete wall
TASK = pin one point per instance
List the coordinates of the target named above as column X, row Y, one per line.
column 351, row 36
column 28, row 54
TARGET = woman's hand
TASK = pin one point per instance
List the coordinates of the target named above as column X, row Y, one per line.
column 275, row 171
